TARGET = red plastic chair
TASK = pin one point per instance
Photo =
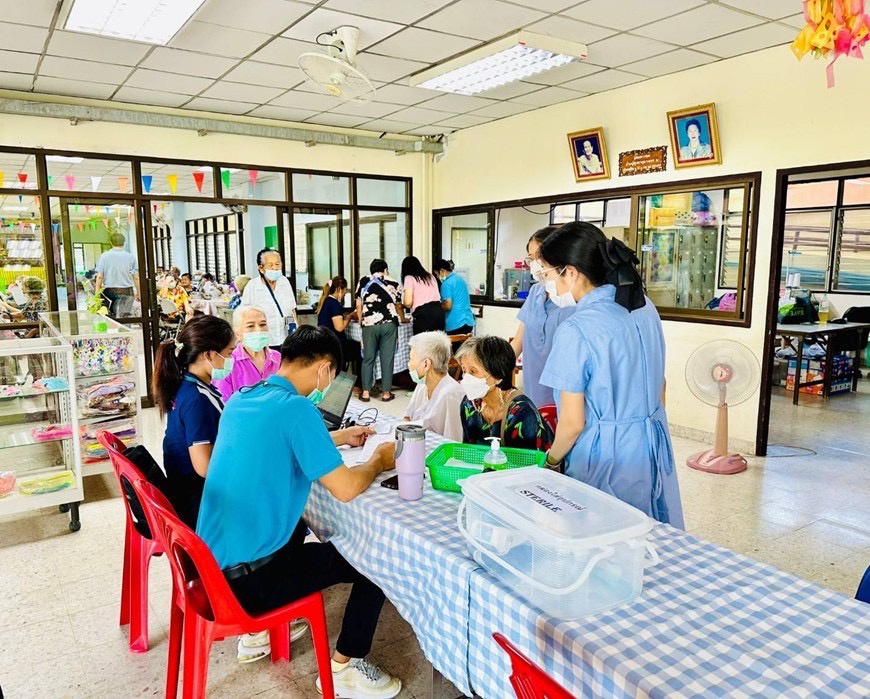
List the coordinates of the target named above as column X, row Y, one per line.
column 138, row 551
column 548, row 412
column 208, row 611
column 528, row 680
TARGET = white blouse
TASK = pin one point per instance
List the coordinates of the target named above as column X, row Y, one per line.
column 440, row 413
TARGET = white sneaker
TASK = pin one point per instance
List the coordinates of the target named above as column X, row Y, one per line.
column 256, row 646
column 360, row 679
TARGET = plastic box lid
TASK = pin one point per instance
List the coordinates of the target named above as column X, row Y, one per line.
column 551, row 506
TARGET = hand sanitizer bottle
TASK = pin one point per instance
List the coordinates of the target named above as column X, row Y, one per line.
column 495, row 459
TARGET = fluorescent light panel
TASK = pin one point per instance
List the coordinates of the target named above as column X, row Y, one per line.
column 505, row 61
column 62, row 159
column 148, row 21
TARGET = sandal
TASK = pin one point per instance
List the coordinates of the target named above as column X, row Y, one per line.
column 364, row 399
column 384, row 399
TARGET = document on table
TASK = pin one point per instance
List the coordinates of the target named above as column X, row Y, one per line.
column 354, row 456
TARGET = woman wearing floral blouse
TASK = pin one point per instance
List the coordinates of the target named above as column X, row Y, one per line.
column 379, row 310
column 493, row 407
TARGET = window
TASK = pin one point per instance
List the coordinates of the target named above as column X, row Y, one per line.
column 76, row 174
column 807, row 249
column 383, row 235
column 381, row 192
column 694, row 243
column 853, row 259
column 320, row 189
column 177, row 179
column 826, row 243
column 162, row 245
column 465, row 239
column 213, row 246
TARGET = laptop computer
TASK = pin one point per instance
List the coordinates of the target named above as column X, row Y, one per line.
column 334, row 403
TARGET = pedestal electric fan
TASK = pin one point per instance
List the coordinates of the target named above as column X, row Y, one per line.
column 721, row 373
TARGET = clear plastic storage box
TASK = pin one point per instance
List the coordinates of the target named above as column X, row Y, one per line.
column 565, row 546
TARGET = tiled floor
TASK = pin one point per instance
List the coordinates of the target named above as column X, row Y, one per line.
column 59, row 592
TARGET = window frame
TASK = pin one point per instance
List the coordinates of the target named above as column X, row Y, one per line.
column 746, row 271
column 205, row 231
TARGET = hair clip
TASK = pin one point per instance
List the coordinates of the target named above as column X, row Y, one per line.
column 178, row 347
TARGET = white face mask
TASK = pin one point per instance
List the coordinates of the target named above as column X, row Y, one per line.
column 537, row 270
column 565, row 300
column 475, row 387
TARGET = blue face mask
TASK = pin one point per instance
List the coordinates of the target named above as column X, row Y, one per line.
column 317, row 396
column 273, row 275
column 224, row 371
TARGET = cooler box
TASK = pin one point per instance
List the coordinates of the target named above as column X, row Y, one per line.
column 565, row 546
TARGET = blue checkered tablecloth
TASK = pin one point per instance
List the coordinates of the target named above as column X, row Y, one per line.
column 413, row 551
column 709, row 623
column 403, row 350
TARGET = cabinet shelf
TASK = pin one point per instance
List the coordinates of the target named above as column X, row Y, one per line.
column 11, row 439
column 38, row 394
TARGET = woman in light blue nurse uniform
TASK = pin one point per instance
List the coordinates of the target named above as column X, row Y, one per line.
column 539, row 317
column 607, row 369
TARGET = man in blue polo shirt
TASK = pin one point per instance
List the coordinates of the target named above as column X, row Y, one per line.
column 272, row 444
column 455, row 300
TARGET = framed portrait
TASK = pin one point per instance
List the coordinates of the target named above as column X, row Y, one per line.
column 695, row 136
column 588, row 155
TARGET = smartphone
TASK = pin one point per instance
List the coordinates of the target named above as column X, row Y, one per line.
column 392, row 483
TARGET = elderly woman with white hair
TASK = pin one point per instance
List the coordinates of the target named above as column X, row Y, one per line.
column 253, row 359
column 436, row 400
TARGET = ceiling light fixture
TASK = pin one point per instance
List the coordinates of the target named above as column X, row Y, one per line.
column 148, row 21
column 62, row 159
column 507, row 60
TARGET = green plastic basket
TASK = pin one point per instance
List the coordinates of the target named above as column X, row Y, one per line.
column 445, row 477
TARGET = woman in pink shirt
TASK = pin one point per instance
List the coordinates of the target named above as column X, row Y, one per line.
column 421, row 296
column 254, row 359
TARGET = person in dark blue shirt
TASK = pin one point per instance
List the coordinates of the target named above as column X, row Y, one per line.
column 331, row 314
column 183, row 373
column 272, row 445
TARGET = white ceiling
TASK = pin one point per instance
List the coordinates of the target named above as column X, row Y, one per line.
column 240, row 56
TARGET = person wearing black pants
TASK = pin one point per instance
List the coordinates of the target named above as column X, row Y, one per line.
column 299, row 569
column 272, row 447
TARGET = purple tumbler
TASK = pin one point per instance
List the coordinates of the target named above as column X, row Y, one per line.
column 410, row 460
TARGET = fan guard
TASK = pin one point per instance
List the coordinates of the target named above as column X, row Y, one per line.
column 722, row 364
column 336, row 71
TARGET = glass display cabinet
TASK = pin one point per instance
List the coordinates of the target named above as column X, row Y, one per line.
column 40, row 460
column 105, row 357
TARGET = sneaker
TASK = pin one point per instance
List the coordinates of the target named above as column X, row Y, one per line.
column 256, row 646
column 360, row 679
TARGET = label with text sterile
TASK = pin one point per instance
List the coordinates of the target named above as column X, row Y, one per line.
column 548, row 498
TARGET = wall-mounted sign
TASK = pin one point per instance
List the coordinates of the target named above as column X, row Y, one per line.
column 639, row 162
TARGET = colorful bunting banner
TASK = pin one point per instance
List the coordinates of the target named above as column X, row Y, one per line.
column 173, row 182
column 70, row 182
column 95, row 183
column 2, row 177
column 22, row 178
column 81, row 226
column 55, row 227
column 87, row 209
column 106, row 223
column 225, row 178
column 93, row 225
column 20, row 198
column 33, row 227
column 253, row 175
column 146, row 183
column 123, row 183
column 198, row 178
column 50, row 180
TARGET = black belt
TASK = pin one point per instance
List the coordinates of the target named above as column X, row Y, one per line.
column 243, row 569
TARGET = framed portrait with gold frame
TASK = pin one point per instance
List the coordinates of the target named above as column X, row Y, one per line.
column 695, row 136
column 589, row 155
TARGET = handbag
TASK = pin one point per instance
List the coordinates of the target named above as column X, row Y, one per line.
column 143, row 460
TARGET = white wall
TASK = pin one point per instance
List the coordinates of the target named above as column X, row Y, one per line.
column 773, row 113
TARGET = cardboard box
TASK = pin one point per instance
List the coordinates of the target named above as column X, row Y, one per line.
column 814, row 370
